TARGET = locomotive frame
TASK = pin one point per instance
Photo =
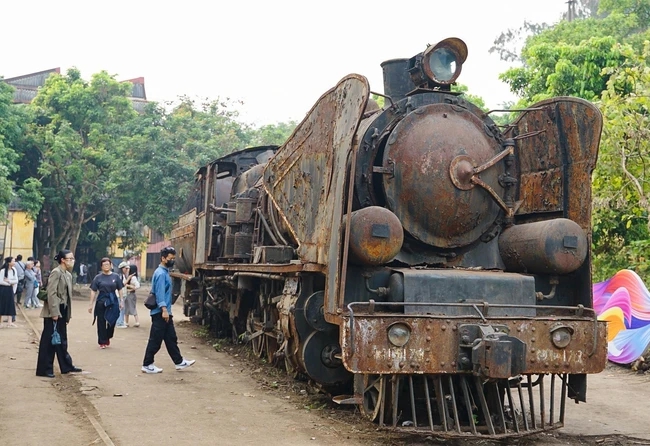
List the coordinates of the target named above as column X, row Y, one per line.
column 417, row 256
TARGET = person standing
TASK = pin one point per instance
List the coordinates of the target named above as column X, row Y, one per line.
column 56, row 314
column 162, row 321
column 8, row 284
column 83, row 272
column 30, row 280
column 131, row 283
column 107, row 286
column 20, row 269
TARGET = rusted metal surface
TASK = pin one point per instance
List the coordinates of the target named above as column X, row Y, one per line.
column 434, row 344
column 556, row 162
column 421, row 191
column 461, row 406
column 183, row 238
column 557, row 246
column 544, row 191
column 306, row 177
column 376, row 236
column 269, row 268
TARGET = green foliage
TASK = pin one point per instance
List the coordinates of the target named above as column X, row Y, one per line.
column 272, row 134
column 380, row 100
column 621, row 217
column 562, row 69
column 10, row 132
column 476, row 100
column 602, row 58
column 91, row 168
column 77, row 137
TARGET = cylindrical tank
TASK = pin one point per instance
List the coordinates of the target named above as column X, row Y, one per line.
column 557, row 246
column 376, row 236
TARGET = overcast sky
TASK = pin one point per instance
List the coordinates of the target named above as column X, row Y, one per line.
column 278, row 57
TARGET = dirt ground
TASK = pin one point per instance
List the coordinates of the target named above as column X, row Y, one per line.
column 229, row 398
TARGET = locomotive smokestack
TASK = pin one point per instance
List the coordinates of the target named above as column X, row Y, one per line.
column 397, row 80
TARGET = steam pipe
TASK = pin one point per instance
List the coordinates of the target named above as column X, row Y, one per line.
column 275, row 224
column 266, row 225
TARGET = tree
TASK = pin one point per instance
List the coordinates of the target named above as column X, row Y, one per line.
column 601, row 58
column 568, row 58
column 272, row 134
column 622, row 205
column 564, row 69
column 78, row 130
column 10, row 131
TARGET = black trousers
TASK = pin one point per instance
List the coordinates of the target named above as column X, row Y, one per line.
column 162, row 331
column 47, row 351
column 105, row 331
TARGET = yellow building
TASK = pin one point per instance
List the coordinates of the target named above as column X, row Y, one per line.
column 17, row 234
column 119, row 254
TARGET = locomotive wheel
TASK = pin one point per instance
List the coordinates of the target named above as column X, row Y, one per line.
column 373, row 393
column 271, row 347
column 253, row 324
column 289, row 366
column 319, row 355
column 258, row 346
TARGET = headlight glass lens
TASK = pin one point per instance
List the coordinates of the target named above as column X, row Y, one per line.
column 561, row 337
column 443, row 63
column 399, row 334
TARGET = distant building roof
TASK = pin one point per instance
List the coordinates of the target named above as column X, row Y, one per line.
column 27, row 87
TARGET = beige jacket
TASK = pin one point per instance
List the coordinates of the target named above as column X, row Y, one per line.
column 59, row 291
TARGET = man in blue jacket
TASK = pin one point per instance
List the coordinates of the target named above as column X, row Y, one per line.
column 162, row 323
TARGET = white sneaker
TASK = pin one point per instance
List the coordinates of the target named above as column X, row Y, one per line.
column 151, row 369
column 185, row 364
column 121, row 326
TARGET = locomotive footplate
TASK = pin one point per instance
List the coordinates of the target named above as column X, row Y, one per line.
column 571, row 341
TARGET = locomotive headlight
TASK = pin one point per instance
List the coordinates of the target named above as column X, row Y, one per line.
column 561, row 336
column 442, row 63
column 399, row 334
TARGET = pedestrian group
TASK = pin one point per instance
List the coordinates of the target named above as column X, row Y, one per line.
column 112, row 302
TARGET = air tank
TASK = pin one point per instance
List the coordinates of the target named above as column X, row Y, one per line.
column 557, row 246
column 376, row 236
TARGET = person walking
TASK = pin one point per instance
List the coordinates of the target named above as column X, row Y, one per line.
column 162, row 321
column 107, row 287
column 56, row 314
column 123, row 273
column 131, row 283
column 8, row 285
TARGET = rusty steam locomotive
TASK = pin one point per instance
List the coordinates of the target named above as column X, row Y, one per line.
column 436, row 264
